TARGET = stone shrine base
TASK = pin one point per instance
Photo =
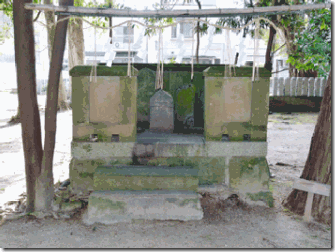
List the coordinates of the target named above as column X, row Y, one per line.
column 109, row 207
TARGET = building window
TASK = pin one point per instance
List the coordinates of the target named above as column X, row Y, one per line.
column 280, row 63
column 174, row 31
column 186, row 29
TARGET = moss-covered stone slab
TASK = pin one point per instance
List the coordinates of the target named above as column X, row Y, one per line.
column 227, row 101
column 79, row 71
column 81, row 182
column 109, row 207
column 106, row 107
column 219, row 71
column 84, row 150
column 105, row 98
column 249, row 174
column 80, row 100
column 145, row 178
column 211, row 170
column 260, row 102
column 82, row 171
column 237, row 149
column 265, row 196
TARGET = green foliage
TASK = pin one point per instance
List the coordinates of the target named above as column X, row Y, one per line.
column 311, row 44
column 314, row 44
column 172, row 61
column 156, row 22
column 4, row 33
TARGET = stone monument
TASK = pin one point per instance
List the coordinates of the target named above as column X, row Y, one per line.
column 161, row 112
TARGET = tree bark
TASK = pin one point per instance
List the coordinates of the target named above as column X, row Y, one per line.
column 28, row 107
column 76, row 47
column 45, row 183
column 50, row 20
column 318, row 164
column 198, row 35
column 268, row 56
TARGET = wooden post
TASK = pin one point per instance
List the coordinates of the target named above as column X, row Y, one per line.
column 311, row 187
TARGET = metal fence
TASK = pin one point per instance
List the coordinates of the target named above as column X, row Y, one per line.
column 297, row 86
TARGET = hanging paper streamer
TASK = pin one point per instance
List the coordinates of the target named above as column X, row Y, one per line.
column 110, row 53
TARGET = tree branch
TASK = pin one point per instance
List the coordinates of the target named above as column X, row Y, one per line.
column 281, row 70
column 278, row 48
column 38, row 14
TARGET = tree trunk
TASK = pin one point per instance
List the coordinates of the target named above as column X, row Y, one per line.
column 318, row 164
column 45, row 183
column 198, row 35
column 76, row 47
column 268, row 56
column 28, row 107
column 198, row 43
column 50, row 20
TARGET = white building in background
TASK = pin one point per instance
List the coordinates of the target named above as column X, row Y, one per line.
column 177, row 45
column 177, row 41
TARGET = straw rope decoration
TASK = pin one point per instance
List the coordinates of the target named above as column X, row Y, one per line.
column 93, row 74
column 192, row 61
column 129, row 70
column 255, row 67
column 159, row 80
column 162, row 59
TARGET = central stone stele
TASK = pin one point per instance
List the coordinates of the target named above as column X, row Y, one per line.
column 161, row 112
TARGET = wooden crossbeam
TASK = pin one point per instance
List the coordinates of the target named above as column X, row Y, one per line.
column 311, row 187
column 109, row 12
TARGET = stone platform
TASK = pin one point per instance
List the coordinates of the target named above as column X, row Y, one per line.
column 133, row 177
column 109, row 207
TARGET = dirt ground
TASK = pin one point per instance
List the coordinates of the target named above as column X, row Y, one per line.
column 226, row 224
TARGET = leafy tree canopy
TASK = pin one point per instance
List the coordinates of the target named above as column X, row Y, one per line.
column 314, row 44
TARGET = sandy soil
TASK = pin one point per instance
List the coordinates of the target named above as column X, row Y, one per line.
column 226, row 224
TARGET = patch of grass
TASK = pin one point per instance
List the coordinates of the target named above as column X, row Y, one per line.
column 263, row 196
column 2, row 189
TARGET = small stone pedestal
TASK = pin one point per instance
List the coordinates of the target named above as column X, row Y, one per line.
column 124, row 193
column 161, row 112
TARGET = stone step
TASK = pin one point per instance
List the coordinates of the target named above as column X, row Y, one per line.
column 128, row 177
column 109, row 207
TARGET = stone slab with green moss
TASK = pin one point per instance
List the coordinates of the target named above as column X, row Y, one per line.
column 105, row 107
column 112, row 178
column 109, row 207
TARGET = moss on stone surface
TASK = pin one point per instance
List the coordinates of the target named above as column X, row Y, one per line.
column 263, row 196
column 119, row 206
column 142, row 183
column 219, row 71
column 80, row 100
column 102, row 71
column 188, row 201
column 86, row 174
column 249, row 174
column 211, row 170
